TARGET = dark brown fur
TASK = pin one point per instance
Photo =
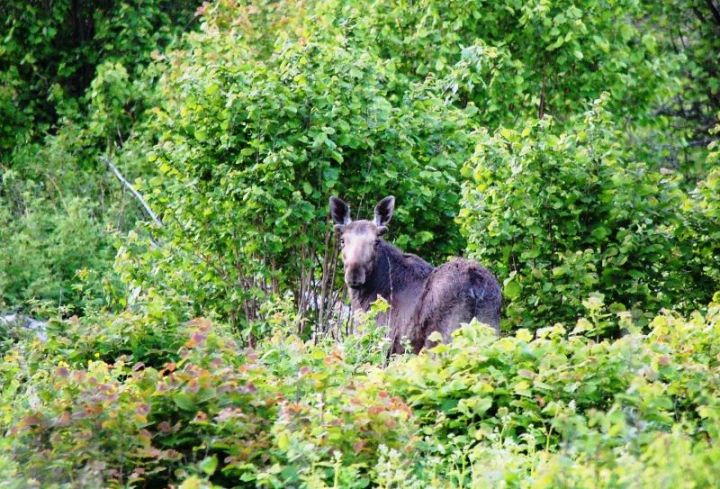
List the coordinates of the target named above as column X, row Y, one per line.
column 422, row 299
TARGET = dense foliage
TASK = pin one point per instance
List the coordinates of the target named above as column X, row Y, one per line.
column 566, row 211
column 164, row 175
column 514, row 59
column 549, row 411
column 312, row 119
column 76, row 83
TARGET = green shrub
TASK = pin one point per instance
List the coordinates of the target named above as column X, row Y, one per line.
column 275, row 417
column 548, row 411
column 513, row 59
column 252, row 148
column 67, row 98
column 561, row 211
column 45, row 255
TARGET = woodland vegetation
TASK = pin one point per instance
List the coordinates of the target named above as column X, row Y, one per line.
column 165, row 168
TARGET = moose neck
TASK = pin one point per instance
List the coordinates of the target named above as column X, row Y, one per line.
column 391, row 274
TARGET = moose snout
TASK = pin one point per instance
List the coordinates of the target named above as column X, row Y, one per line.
column 355, row 277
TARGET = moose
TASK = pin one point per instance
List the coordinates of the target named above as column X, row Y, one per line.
column 423, row 299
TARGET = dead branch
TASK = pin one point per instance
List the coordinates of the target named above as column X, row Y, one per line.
column 132, row 190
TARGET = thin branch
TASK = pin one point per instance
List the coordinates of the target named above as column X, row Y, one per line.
column 132, row 190
column 541, row 108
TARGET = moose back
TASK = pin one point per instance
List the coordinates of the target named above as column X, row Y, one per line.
column 423, row 299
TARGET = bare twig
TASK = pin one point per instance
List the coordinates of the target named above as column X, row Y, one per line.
column 325, row 279
column 132, row 190
column 541, row 108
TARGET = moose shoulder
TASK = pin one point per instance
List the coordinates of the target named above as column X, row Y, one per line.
column 423, row 299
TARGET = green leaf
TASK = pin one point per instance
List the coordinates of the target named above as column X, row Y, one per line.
column 283, row 441
column 184, row 401
column 512, row 289
column 209, row 465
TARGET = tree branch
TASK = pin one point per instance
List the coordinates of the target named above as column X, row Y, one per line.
column 132, row 190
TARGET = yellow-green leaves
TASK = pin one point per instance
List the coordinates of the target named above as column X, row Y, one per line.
column 562, row 211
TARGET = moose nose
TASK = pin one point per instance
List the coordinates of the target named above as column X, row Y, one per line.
column 355, row 278
column 354, row 282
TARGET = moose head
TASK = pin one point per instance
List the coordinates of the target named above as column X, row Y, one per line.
column 360, row 239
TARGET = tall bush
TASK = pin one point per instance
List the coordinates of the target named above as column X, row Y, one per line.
column 251, row 149
column 700, row 237
column 76, row 80
column 561, row 212
column 513, row 58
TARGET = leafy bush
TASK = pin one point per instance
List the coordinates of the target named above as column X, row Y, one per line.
column 76, row 82
column 555, row 411
column 513, row 59
column 549, row 411
column 562, row 211
column 274, row 417
column 45, row 255
column 251, row 148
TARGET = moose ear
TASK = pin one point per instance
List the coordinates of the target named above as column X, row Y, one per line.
column 384, row 211
column 340, row 213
